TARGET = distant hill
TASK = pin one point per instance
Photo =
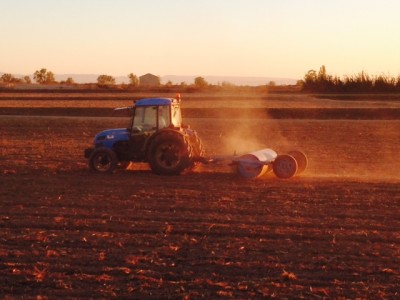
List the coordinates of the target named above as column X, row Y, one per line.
column 177, row 79
column 236, row 80
column 189, row 79
column 80, row 78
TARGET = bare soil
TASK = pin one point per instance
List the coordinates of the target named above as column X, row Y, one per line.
column 332, row 232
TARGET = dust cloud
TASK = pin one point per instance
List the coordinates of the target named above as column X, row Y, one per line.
column 361, row 150
column 247, row 132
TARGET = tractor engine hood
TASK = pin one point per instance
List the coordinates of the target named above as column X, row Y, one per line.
column 110, row 136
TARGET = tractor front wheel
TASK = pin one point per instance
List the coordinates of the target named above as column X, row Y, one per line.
column 103, row 160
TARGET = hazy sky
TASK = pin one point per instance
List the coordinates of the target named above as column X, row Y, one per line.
column 280, row 38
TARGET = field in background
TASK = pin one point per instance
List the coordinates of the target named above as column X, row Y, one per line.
column 210, row 105
column 331, row 233
column 201, row 100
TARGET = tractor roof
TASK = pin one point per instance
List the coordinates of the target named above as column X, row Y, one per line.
column 155, row 101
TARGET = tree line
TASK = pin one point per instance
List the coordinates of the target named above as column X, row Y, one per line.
column 362, row 82
column 42, row 76
column 318, row 82
column 46, row 77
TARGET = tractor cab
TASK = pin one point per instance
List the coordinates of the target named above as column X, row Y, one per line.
column 150, row 116
column 155, row 114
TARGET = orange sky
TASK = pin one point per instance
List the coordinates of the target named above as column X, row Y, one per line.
column 209, row 37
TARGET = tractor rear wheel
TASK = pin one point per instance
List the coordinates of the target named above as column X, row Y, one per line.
column 103, row 160
column 170, row 154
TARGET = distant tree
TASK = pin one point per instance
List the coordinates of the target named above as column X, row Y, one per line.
column 169, row 83
column 104, row 80
column 69, row 81
column 27, row 79
column 272, row 83
column 133, row 80
column 7, row 78
column 310, row 80
column 40, row 76
column 200, row 82
column 50, row 78
column 322, row 82
column 384, row 83
column 322, row 76
column 311, row 76
column 227, row 84
column 43, row 76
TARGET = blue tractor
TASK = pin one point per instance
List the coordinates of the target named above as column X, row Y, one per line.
column 155, row 135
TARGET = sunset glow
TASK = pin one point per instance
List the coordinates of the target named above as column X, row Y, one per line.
column 184, row 37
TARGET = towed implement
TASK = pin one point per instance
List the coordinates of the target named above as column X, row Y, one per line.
column 258, row 163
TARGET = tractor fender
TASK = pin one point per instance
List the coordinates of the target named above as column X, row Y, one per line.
column 150, row 140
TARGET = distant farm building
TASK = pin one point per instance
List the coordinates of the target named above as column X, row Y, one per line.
column 149, row 80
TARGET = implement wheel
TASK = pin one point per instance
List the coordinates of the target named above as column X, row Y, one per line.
column 285, row 166
column 301, row 159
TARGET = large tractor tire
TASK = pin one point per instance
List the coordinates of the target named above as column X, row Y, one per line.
column 103, row 160
column 170, row 154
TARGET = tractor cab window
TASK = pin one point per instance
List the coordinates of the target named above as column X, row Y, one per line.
column 163, row 117
column 145, row 118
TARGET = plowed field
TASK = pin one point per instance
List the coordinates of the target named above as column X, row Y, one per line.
column 332, row 232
